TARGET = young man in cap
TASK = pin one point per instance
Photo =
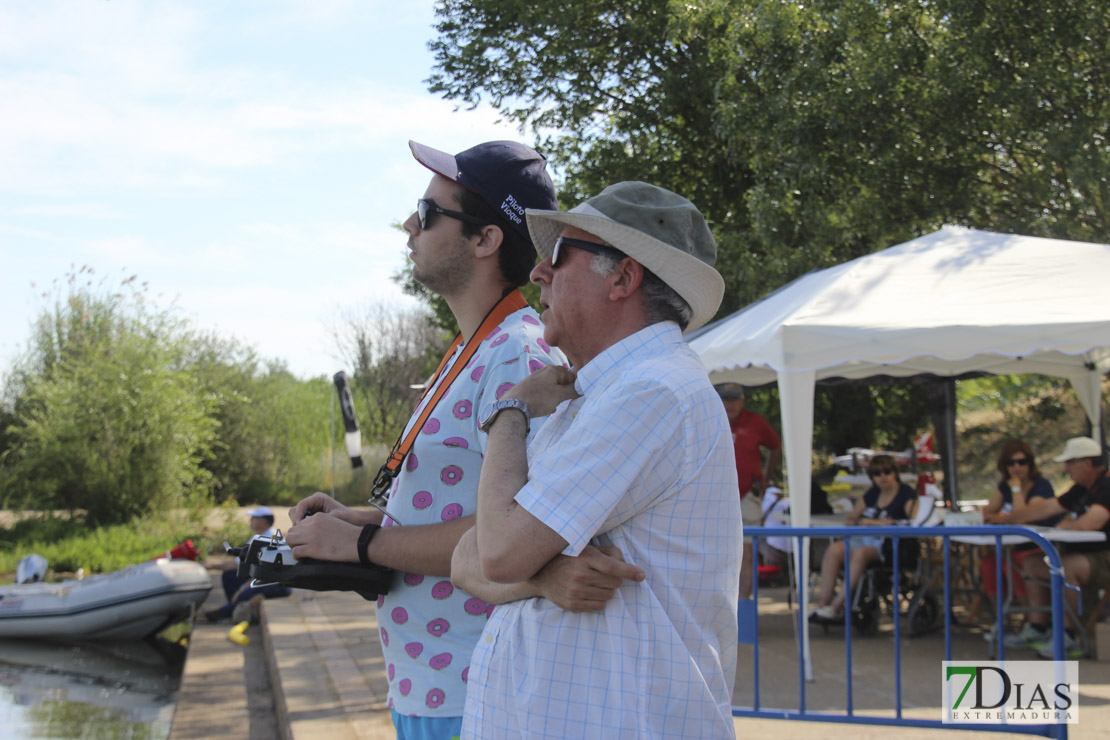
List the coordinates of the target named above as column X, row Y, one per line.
column 469, row 243
column 238, row 590
column 636, row 454
column 751, row 434
column 1086, row 564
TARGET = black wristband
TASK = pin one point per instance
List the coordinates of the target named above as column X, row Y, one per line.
column 364, row 538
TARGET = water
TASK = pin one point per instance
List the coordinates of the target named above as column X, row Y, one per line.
column 104, row 690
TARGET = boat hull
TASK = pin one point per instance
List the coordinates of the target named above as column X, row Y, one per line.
column 129, row 604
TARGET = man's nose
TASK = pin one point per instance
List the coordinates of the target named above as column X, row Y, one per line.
column 411, row 224
column 541, row 273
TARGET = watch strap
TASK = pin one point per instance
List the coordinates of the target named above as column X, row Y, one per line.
column 364, row 538
column 499, row 406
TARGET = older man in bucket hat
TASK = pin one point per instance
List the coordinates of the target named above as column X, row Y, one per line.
column 636, row 454
column 1086, row 564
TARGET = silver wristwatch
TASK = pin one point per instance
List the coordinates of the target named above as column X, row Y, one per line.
column 499, row 406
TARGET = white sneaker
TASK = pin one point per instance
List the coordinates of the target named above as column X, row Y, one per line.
column 1073, row 648
column 1028, row 639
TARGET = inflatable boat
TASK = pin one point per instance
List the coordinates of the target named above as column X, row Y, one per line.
column 128, row 604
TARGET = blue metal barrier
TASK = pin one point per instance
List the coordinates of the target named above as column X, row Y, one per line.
column 896, row 533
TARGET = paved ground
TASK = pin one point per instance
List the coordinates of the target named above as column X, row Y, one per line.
column 326, row 678
column 313, row 671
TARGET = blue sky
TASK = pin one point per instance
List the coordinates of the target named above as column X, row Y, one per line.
column 246, row 159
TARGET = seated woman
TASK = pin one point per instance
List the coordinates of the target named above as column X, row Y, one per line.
column 1020, row 484
column 888, row 501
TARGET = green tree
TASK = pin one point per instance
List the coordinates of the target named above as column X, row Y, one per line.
column 106, row 421
column 387, row 353
column 809, row 134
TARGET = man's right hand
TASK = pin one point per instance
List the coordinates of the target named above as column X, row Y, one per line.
column 318, row 502
column 585, row 583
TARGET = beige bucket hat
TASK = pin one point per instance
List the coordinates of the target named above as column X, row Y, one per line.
column 662, row 231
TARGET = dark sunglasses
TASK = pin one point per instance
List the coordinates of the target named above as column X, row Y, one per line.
column 1017, row 461
column 426, row 208
column 592, row 247
column 882, row 471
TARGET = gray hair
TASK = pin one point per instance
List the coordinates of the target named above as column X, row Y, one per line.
column 661, row 302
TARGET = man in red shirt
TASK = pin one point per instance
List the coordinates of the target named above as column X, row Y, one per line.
column 751, row 433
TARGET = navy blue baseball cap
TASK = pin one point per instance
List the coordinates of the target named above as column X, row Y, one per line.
column 510, row 177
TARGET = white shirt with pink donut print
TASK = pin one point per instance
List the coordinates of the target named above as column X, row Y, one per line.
column 428, row 627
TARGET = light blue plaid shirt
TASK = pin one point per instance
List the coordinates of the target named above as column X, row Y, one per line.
column 642, row 461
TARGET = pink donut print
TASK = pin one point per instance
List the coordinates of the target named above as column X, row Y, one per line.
column 421, row 500
column 380, row 602
column 503, row 388
column 500, row 340
column 476, row 373
column 511, row 361
column 411, row 462
column 489, row 611
column 543, row 345
column 392, row 670
column 431, row 426
column 492, row 333
column 435, row 698
column 534, row 366
column 405, row 686
column 438, row 627
column 400, row 616
column 414, row 649
column 466, row 674
column 451, row 475
column 442, row 590
column 463, row 410
column 530, row 320
column 451, row 511
column 441, row 661
column 385, row 635
column 414, row 579
column 456, row 442
column 475, row 606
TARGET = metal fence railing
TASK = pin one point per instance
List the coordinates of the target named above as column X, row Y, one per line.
column 750, row 630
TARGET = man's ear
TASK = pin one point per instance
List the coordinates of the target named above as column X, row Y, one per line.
column 489, row 241
column 626, row 279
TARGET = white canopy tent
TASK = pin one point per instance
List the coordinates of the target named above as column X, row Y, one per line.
column 953, row 302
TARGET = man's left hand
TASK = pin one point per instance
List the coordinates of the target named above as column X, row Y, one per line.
column 544, row 390
column 585, row 583
column 324, row 537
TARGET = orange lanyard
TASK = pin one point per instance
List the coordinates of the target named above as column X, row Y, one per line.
column 512, row 301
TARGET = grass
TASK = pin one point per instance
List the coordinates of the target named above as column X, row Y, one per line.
column 68, row 545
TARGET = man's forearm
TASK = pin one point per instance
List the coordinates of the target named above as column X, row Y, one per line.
column 512, row 544
column 425, row 549
column 466, row 573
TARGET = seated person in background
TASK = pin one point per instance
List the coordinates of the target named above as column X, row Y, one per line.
column 1085, row 564
column 1021, row 482
column 238, row 590
column 888, row 501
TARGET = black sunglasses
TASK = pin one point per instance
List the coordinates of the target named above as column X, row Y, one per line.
column 882, row 471
column 1017, row 461
column 425, row 208
column 592, row 247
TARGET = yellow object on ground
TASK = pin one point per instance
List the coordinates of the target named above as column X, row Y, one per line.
column 236, row 634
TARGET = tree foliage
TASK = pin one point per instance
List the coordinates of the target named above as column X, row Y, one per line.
column 388, row 352
column 119, row 409
column 808, row 133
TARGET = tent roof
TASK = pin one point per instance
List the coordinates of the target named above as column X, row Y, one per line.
column 952, row 302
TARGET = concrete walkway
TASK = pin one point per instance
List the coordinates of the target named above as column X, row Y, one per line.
column 314, row 671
